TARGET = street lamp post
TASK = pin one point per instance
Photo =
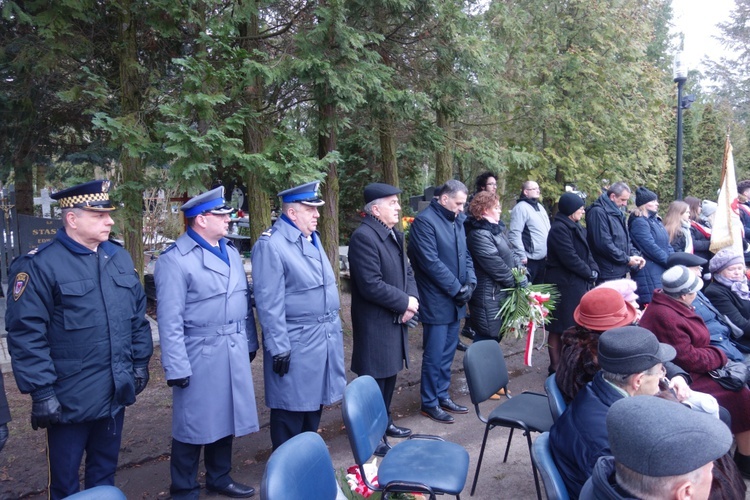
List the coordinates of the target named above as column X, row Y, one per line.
column 680, row 77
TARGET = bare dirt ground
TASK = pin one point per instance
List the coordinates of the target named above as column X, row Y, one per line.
column 147, row 432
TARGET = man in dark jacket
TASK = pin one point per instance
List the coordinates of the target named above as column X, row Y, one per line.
column 79, row 339
column 384, row 297
column 632, row 362
column 608, row 234
column 661, row 450
column 445, row 277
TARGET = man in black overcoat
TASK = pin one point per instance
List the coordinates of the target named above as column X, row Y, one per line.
column 384, row 297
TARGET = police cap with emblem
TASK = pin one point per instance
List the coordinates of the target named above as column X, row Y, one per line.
column 208, row 202
column 307, row 194
column 92, row 196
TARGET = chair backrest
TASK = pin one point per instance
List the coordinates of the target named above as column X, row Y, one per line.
column 365, row 417
column 557, row 402
column 545, row 464
column 485, row 369
column 300, row 468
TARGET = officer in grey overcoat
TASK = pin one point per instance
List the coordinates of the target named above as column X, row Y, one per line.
column 297, row 300
column 208, row 339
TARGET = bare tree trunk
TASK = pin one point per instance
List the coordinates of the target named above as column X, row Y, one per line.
column 132, row 167
column 329, row 226
column 24, row 174
column 387, row 132
column 254, row 133
column 444, row 155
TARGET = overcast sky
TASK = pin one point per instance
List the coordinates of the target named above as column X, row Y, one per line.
column 697, row 19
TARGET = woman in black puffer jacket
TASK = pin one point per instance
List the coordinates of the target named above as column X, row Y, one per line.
column 493, row 260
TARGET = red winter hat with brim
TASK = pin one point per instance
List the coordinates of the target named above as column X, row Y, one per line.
column 603, row 308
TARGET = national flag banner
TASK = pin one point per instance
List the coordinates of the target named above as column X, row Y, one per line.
column 727, row 228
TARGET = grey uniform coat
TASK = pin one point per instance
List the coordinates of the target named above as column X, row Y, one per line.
column 207, row 332
column 382, row 281
column 297, row 300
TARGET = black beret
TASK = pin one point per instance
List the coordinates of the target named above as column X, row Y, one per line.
column 684, row 259
column 632, row 349
column 378, row 190
column 658, row 438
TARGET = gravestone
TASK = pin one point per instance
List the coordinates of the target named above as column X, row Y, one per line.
column 45, row 201
column 35, row 231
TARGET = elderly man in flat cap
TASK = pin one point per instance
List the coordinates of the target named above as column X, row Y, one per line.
column 384, row 297
column 662, row 450
column 632, row 363
column 208, row 339
column 297, row 300
column 79, row 339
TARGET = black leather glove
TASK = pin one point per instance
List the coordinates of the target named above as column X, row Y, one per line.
column 413, row 322
column 179, row 382
column 463, row 295
column 45, row 412
column 252, row 355
column 140, row 373
column 281, row 363
column 3, row 435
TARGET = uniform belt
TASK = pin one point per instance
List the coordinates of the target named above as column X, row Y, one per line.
column 207, row 331
column 328, row 317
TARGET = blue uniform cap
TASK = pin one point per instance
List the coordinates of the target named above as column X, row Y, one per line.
column 92, row 196
column 307, row 194
column 210, row 201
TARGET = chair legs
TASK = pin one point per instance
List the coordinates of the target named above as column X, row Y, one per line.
column 481, row 455
column 505, row 459
column 536, row 477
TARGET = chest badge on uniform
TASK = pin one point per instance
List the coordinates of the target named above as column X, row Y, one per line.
column 22, row 279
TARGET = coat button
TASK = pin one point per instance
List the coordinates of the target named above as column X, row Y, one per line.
column 231, row 345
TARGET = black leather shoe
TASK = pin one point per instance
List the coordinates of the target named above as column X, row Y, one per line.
column 437, row 414
column 449, row 405
column 381, row 449
column 468, row 332
column 461, row 346
column 234, row 490
column 394, row 431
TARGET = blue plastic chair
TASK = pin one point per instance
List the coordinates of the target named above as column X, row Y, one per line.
column 425, row 464
column 486, row 373
column 543, row 461
column 300, row 468
column 99, row 493
column 557, row 404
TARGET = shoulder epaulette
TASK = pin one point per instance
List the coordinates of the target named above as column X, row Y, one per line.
column 40, row 248
column 170, row 247
column 269, row 231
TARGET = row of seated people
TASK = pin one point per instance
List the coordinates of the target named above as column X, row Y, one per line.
column 682, row 335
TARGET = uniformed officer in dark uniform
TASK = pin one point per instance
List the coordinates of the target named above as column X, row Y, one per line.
column 297, row 300
column 208, row 339
column 79, row 339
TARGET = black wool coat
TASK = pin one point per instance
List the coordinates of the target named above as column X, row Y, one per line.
column 382, row 281
column 569, row 266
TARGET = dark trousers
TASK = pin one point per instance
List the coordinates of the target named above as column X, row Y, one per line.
column 217, row 457
column 387, row 386
column 537, row 270
column 66, row 443
column 285, row 424
column 440, row 343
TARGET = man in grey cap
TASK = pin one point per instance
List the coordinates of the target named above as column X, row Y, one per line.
column 384, row 297
column 297, row 300
column 208, row 339
column 662, row 450
column 632, row 363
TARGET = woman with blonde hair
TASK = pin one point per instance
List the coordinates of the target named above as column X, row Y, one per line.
column 677, row 224
column 651, row 239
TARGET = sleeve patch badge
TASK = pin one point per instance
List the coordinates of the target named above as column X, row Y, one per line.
column 22, row 279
